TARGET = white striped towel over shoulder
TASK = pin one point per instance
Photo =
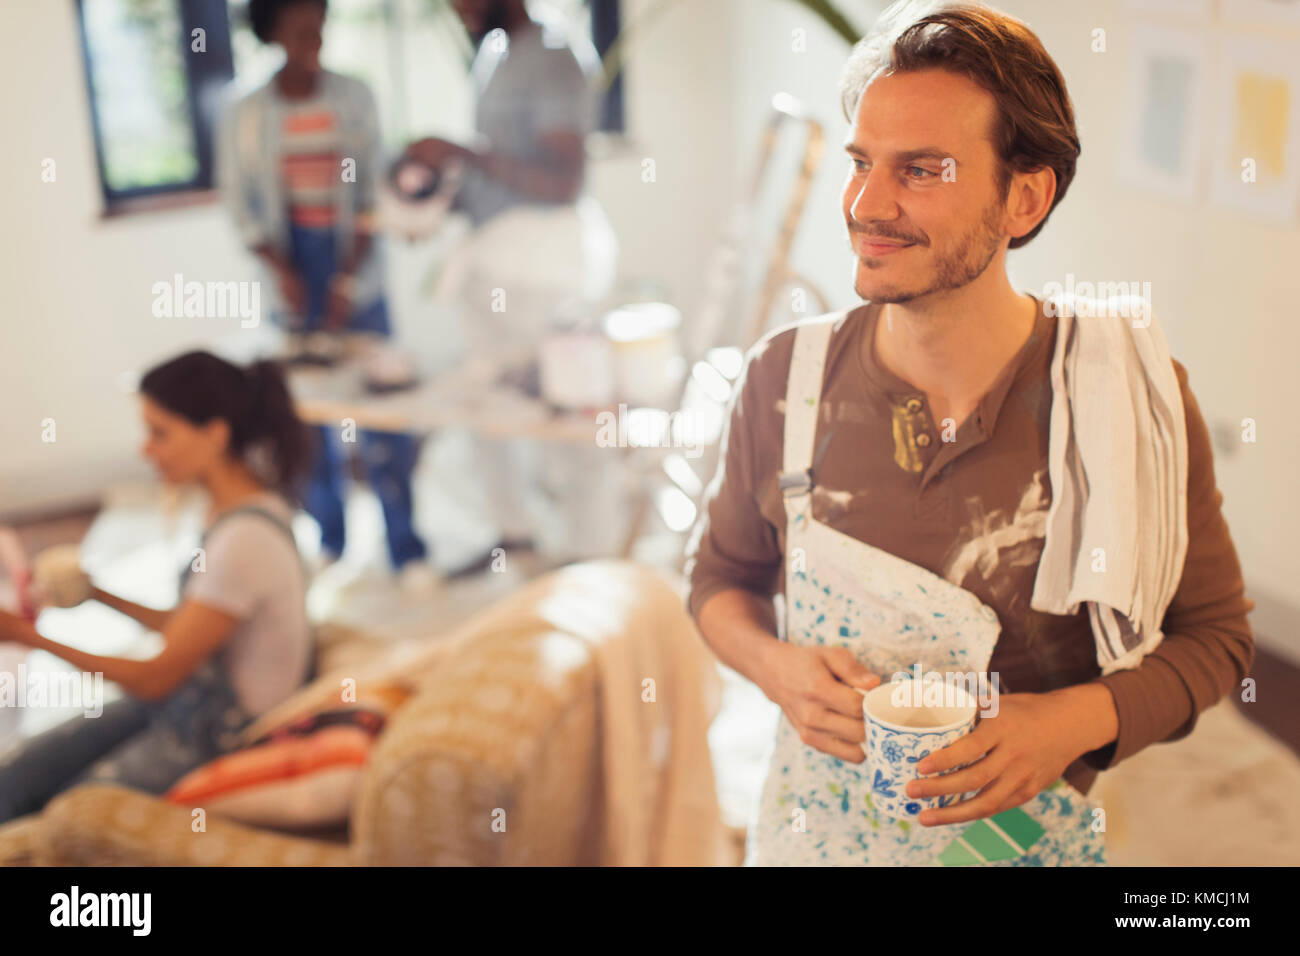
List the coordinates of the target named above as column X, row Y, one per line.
column 1116, row 535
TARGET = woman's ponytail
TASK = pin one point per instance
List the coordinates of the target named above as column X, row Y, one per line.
column 270, row 420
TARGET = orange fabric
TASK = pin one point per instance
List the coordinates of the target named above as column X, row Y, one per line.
column 316, row 217
column 309, row 122
column 279, row 760
column 311, row 167
column 311, row 170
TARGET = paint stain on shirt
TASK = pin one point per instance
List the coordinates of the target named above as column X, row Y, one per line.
column 832, row 505
column 990, row 533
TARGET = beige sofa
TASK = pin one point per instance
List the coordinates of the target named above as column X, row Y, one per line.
column 517, row 716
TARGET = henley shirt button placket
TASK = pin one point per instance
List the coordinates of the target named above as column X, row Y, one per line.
column 928, row 505
column 931, row 504
column 920, row 423
column 915, row 407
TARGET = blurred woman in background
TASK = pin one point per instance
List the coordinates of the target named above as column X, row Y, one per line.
column 238, row 643
column 299, row 160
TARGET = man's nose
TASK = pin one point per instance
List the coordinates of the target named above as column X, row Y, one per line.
column 875, row 200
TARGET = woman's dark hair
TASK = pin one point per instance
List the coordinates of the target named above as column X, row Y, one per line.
column 1034, row 125
column 253, row 401
column 262, row 15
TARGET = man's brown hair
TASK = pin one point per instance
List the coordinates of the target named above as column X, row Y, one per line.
column 1034, row 125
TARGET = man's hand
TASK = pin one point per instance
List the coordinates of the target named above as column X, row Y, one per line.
column 434, row 152
column 820, row 690
column 294, row 292
column 338, row 303
column 1014, row 756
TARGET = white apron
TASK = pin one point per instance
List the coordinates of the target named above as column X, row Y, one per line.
column 842, row 592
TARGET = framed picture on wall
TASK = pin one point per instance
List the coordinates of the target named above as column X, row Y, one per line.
column 1164, row 126
column 1255, row 138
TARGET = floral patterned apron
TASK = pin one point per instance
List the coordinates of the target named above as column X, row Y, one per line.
column 816, row 809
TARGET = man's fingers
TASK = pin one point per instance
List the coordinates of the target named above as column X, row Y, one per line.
column 839, row 698
column 847, row 681
column 848, row 668
column 419, row 148
column 986, row 803
column 967, row 749
column 837, row 725
column 830, row 744
column 967, row 780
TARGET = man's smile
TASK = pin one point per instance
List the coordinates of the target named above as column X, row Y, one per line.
column 874, row 247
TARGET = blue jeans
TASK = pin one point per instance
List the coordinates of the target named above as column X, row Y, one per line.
column 388, row 458
column 143, row 745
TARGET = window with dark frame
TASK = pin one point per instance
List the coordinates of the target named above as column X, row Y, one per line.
column 155, row 71
column 151, row 101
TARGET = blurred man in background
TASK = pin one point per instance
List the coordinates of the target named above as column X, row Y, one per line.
column 539, row 249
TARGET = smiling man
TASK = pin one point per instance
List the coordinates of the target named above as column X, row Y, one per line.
column 887, row 469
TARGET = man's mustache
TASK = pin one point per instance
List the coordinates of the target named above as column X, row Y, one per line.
column 859, row 232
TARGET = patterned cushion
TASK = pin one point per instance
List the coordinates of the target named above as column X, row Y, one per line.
column 302, row 775
column 476, row 765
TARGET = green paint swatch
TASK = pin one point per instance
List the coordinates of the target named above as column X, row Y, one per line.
column 981, row 842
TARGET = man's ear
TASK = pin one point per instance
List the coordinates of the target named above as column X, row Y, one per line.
column 1029, row 200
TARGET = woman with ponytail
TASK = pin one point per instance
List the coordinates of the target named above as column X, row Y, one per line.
column 238, row 641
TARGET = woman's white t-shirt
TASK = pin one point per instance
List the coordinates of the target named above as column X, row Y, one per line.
column 251, row 570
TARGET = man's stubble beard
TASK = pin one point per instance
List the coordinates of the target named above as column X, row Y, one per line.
column 967, row 262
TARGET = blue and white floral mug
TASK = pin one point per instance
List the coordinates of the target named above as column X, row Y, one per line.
column 906, row 721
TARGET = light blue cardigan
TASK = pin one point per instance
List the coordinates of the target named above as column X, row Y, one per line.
column 249, row 174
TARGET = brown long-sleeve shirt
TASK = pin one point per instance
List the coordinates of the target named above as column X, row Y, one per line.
column 971, row 510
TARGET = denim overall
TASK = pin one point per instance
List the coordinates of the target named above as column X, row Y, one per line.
column 817, row 810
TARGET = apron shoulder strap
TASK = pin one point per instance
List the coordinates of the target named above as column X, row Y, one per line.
column 803, row 394
column 218, row 660
column 313, row 662
column 253, row 510
column 261, row 512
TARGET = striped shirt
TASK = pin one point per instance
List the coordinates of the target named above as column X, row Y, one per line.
column 310, row 163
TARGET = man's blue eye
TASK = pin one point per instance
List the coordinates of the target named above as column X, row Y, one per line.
column 924, row 172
